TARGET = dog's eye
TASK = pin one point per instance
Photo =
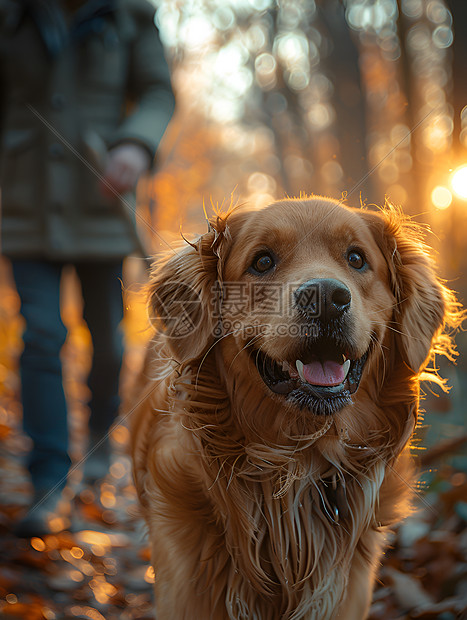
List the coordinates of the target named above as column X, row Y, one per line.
column 262, row 263
column 355, row 259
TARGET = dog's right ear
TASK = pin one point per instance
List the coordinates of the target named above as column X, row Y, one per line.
column 184, row 292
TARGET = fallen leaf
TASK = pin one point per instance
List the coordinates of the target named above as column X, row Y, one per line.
column 408, row 590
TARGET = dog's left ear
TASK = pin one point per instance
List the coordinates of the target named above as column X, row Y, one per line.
column 184, row 292
column 423, row 305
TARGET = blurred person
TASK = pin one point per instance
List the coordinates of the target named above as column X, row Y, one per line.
column 73, row 74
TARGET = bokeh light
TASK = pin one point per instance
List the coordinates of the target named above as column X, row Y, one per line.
column 441, row 197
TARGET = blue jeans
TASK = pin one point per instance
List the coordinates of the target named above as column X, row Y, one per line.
column 43, row 398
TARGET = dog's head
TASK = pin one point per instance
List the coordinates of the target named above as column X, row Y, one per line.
column 307, row 301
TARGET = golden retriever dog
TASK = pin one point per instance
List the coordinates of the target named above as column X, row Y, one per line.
column 278, row 399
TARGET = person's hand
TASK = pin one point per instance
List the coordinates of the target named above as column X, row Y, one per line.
column 125, row 164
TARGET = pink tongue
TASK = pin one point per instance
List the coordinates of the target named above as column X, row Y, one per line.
column 324, row 373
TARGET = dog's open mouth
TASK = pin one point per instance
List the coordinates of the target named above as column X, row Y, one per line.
column 322, row 379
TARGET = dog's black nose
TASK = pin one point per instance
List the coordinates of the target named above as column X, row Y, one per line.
column 323, row 298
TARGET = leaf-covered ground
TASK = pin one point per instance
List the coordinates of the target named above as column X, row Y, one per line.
column 101, row 570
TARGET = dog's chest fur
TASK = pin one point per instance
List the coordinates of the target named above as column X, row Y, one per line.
column 267, row 547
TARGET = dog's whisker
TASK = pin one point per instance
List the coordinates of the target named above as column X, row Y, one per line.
column 400, row 332
column 234, row 332
column 214, row 344
column 245, row 347
column 392, row 306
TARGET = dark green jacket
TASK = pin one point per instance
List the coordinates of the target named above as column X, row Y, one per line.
column 100, row 71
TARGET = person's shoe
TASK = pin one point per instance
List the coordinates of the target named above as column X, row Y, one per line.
column 98, row 461
column 48, row 514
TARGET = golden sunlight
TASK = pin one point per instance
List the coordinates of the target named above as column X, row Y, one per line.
column 459, row 181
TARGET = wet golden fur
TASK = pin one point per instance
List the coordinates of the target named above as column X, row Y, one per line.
column 230, row 475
